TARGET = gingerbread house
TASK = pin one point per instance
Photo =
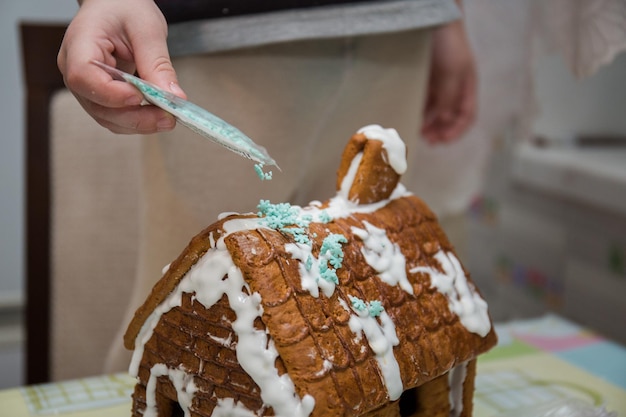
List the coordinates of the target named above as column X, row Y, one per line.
column 353, row 307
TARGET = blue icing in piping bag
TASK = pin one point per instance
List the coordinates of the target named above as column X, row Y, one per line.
column 195, row 118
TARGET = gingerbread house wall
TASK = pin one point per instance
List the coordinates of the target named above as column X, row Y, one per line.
column 186, row 338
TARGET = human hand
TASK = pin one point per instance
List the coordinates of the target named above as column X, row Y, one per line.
column 451, row 99
column 130, row 35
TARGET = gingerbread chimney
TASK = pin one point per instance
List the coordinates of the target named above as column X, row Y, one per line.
column 371, row 165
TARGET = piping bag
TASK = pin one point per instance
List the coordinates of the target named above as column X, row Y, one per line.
column 195, row 118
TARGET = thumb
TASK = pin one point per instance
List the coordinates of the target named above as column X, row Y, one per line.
column 153, row 62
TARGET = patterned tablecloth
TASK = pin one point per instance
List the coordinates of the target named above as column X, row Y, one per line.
column 539, row 361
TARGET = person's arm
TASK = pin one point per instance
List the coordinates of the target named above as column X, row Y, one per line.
column 130, row 35
column 451, row 102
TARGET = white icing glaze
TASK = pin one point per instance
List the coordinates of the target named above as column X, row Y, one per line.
column 381, row 337
column 392, row 143
column 456, row 378
column 384, row 256
column 225, row 214
column 340, row 207
column 227, row 407
column 212, row 276
column 309, row 278
column 326, row 366
column 226, row 342
column 182, row 382
column 463, row 299
column 347, row 181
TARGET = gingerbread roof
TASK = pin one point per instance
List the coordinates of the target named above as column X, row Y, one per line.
column 391, row 310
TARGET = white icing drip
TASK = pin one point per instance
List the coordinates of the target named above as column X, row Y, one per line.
column 463, row 299
column 381, row 338
column 310, row 279
column 227, row 407
column 347, row 181
column 456, row 378
column 212, row 276
column 326, row 366
column 384, row 256
column 257, row 357
column 183, row 383
column 165, row 269
column 226, row 214
column 148, row 327
column 239, row 224
column 340, row 207
column 392, row 143
column 226, row 342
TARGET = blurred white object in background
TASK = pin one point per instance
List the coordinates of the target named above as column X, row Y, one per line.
column 588, row 33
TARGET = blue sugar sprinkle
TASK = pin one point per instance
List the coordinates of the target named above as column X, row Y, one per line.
column 358, row 304
column 288, row 220
column 302, row 238
column 258, row 168
column 332, row 246
column 283, row 217
column 329, row 274
column 375, row 308
column 324, row 217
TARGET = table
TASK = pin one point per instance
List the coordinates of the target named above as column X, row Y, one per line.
column 536, row 361
column 546, row 360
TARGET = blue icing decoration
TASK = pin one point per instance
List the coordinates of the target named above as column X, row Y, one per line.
column 309, row 263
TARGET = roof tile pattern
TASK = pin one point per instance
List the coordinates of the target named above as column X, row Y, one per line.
column 322, row 355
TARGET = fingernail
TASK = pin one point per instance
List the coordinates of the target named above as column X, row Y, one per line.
column 175, row 88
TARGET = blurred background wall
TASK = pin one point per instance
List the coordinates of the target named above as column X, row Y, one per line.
column 12, row 172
